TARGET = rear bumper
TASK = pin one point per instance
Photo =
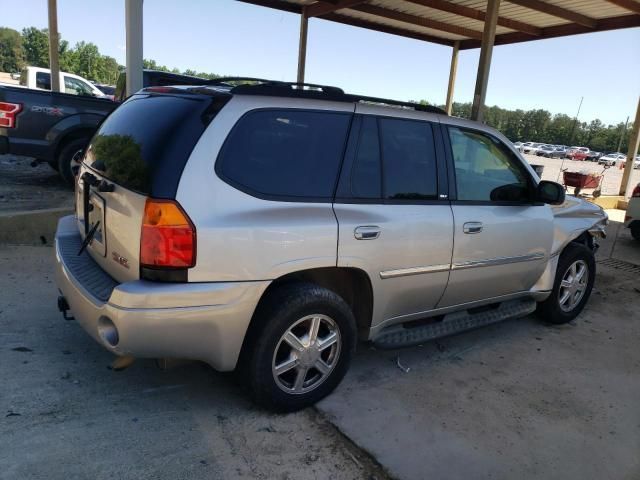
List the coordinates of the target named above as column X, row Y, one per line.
column 198, row 321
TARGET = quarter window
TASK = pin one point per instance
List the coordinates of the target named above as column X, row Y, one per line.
column 43, row 80
column 485, row 169
column 285, row 152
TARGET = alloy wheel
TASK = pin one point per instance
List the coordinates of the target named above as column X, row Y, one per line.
column 573, row 285
column 306, row 354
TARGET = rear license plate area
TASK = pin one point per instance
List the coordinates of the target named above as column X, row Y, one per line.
column 96, row 214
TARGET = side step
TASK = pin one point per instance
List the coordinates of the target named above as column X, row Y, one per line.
column 405, row 335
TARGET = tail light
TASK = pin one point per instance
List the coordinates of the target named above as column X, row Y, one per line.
column 8, row 113
column 168, row 238
column 636, row 191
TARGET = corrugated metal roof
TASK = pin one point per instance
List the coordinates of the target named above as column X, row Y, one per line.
column 447, row 21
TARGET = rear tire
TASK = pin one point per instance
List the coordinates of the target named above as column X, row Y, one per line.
column 571, row 290
column 67, row 159
column 281, row 352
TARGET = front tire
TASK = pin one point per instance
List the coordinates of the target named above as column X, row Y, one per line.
column 299, row 348
column 572, row 287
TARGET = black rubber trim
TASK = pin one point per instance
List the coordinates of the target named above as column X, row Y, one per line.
column 84, row 269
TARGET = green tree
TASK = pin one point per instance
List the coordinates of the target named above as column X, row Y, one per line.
column 11, row 52
column 35, row 43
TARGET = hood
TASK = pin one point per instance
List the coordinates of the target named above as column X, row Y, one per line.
column 574, row 217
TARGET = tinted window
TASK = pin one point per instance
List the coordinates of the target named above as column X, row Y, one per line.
column 285, row 152
column 409, row 159
column 144, row 144
column 43, row 80
column 366, row 177
column 485, row 169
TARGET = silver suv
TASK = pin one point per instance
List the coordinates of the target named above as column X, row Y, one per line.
column 268, row 226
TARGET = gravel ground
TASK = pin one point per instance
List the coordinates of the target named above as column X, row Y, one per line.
column 65, row 415
column 24, row 188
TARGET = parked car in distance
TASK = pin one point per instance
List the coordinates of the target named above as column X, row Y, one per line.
column 550, row 151
column 37, row 78
column 523, row 145
column 108, row 90
column 612, row 159
column 632, row 216
column 268, row 227
column 531, row 148
column 593, row 156
column 578, row 153
column 156, row 78
column 636, row 163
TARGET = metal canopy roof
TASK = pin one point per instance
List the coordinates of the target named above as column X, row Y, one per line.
column 447, row 21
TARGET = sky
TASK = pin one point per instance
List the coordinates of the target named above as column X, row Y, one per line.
column 234, row 38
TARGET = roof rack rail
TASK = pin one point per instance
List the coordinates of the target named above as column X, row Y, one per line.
column 396, row 103
column 277, row 88
column 229, row 81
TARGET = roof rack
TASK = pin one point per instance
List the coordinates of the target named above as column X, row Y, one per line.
column 277, row 88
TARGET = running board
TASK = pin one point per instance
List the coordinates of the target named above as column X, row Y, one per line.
column 412, row 333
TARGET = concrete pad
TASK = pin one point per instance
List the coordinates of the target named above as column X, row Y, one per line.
column 517, row 400
column 30, row 228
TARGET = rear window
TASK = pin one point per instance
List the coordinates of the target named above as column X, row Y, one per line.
column 285, row 153
column 145, row 143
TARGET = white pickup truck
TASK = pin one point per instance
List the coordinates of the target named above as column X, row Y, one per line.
column 40, row 79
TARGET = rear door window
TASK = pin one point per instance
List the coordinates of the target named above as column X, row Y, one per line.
column 409, row 160
column 292, row 154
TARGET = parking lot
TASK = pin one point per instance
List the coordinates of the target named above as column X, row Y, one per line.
column 518, row 399
column 612, row 177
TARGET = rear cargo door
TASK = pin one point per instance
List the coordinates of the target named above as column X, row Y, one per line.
column 139, row 152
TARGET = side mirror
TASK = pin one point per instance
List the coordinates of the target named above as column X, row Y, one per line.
column 550, row 192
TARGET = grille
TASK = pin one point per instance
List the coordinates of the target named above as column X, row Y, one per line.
column 620, row 265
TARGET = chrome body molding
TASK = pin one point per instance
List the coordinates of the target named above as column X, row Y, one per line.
column 405, row 272
column 492, row 262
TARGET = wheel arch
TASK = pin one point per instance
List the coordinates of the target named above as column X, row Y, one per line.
column 353, row 285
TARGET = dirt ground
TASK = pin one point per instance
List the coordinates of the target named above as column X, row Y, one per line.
column 24, row 187
column 65, row 415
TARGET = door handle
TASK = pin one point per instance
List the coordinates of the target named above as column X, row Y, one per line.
column 472, row 227
column 369, row 232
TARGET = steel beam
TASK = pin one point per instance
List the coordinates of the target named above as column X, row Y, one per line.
column 133, row 27
column 634, row 141
column 302, row 46
column 54, row 41
column 452, row 77
column 484, row 64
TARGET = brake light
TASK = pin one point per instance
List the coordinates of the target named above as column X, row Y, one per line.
column 8, row 113
column 168, row 238
column 636, row 191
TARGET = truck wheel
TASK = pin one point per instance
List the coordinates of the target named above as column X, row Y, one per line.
column 67, row 159
column 299, row 348
column 635, row 231
column 572, row 287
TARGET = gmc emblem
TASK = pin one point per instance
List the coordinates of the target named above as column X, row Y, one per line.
column 120, row 259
